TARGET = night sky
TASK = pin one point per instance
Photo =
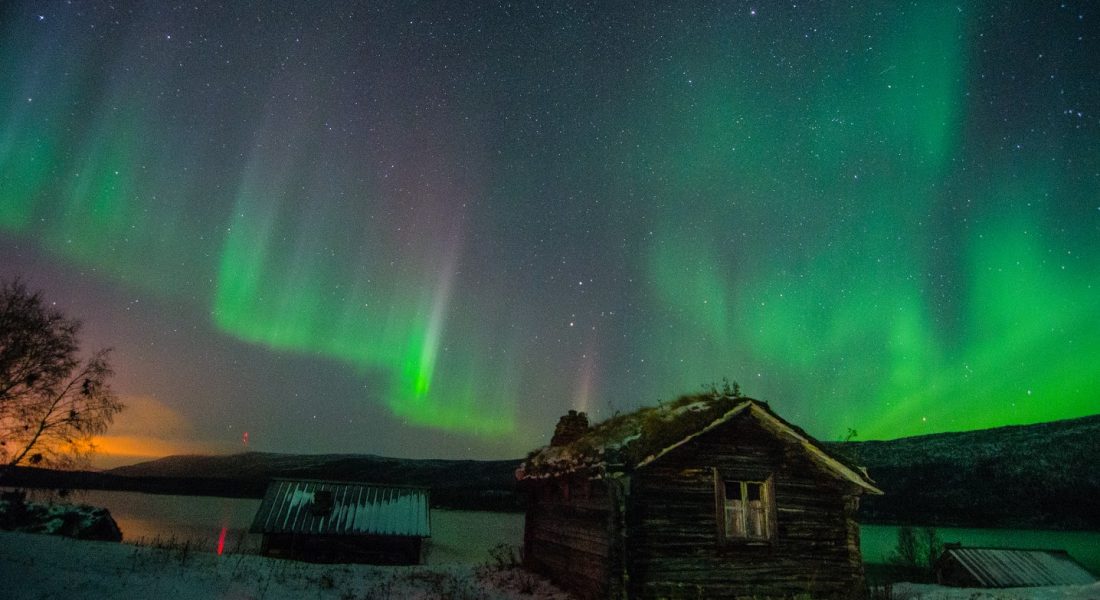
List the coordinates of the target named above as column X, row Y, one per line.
column 427, row 229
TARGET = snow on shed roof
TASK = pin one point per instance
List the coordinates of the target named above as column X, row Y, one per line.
column 1011, row 567
column 305, row 506
column 634, row 440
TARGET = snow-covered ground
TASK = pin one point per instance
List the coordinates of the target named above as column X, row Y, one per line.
column 913, row 591
column 34, row 567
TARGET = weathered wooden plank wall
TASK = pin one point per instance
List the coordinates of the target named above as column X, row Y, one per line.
column 676, row 549
column 566, row 534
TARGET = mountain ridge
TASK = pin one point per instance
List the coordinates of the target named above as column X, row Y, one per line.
column 1042, row 475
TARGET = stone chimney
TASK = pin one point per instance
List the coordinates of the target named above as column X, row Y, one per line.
column 570, row 427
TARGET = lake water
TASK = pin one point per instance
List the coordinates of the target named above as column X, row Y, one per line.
column 457, row 536
column 467, row 537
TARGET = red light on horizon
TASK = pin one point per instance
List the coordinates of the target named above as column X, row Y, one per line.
column 221, row 542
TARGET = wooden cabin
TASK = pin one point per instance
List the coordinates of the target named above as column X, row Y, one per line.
column 1008, row 567
column 342, row 521
column 708, row 497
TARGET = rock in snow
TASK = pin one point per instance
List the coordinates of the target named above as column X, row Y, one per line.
column 76, row 521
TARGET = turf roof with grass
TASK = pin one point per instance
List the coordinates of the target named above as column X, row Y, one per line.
column 624, row 441
column 630, row 441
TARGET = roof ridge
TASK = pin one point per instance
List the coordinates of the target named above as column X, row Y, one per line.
column 636, row 439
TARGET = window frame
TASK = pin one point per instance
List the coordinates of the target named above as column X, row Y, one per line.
column 767, row 498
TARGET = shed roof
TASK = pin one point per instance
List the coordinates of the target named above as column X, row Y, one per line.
column 306, row 506
column 632, row 441
column 1011, row 567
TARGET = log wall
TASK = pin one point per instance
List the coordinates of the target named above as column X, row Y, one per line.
column 675, row 548
column 567, row 532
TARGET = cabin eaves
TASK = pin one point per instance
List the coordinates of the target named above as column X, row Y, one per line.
column 629, row 442
column 769, row 420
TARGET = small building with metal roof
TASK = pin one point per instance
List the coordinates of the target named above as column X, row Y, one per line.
column 1008, row 567
column 343, row 521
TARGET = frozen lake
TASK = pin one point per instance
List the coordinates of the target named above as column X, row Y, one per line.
column 467, row 536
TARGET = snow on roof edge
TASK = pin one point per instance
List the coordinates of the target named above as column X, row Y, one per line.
column 858, row 477
column 719, row 421
column 601, row 468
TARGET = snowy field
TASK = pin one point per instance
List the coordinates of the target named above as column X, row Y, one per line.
column 36, row 567
column 912, row 591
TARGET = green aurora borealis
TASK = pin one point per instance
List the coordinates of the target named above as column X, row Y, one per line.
column 880, row 217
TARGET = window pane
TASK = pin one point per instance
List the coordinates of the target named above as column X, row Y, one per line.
column 755, row 520
column 745, row 510
column 735, row 518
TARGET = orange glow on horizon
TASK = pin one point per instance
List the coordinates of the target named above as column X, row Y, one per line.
column 149, row 428
column 118, row 450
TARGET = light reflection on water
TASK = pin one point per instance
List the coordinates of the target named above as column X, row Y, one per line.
column 199, row 520
column 457, row 536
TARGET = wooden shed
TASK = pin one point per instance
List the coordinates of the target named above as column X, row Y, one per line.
column 711, row 496
column 1008, row 567
column 342, row 521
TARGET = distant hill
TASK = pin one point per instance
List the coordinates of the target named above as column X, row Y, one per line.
column 1042, row 476
column 460, row 484
column 380, row 469
column 454, row 483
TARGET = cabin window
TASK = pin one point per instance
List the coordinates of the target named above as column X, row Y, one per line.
column 746, row 509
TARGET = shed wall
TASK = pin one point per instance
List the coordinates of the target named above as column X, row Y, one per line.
column 376, row 550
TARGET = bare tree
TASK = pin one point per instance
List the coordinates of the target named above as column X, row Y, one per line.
column 931, row 544
column 52, row 403
column 907, row 552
